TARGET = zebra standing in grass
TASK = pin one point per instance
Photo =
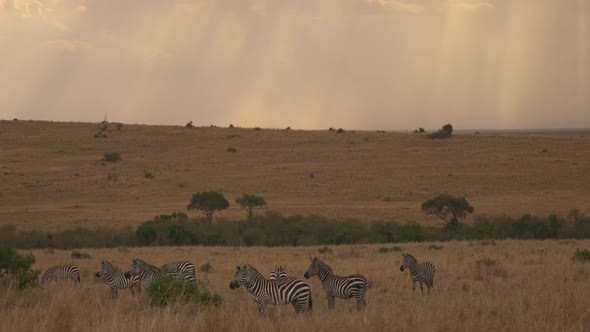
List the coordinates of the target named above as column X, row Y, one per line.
column 147, row 273
column 118, row 280
column 278, row 273
column 354, row 285
column 422, row 272
column 61, row 272
column 187, row 268
column 264, row 292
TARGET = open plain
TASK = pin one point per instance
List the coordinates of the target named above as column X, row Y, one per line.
column 53, row 178
column 52, row 175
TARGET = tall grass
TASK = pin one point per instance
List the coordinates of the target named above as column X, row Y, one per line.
column 537, row 293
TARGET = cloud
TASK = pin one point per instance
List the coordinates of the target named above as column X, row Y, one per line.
column 67, row 45
column 470, row 4
column 403, row 5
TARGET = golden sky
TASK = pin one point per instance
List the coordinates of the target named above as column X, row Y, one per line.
column 363, row 64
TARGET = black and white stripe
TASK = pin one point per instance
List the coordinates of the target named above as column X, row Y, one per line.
column 185, row 267
column 61, row 272
column 264, row 292
column 421, row 272
column 278, row 273
column 354, row 285
column 118, row 280
column 147, row 273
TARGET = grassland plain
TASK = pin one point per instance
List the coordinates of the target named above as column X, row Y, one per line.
column 516, row 286
column 52, row 175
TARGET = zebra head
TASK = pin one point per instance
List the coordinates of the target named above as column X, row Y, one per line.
column 408, row 261
column 136, row 264
column 241, row 276
column 314, row 268
column 105, row 268
column 278, row 273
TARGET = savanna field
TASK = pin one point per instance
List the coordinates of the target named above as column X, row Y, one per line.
column 53, row 178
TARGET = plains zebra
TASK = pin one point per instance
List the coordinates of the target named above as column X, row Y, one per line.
column 422, row 272
column 187, row 268
column 118, row 280
column 61, row 272
column 354, row 285
column 264, row 292
column 278, row 273
column 147, row 273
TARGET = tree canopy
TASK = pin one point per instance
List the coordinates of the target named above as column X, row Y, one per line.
column 250, row 202
column 448, row 208
column 208, row 202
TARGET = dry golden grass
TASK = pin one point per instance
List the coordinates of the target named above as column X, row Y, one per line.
column 537, row 288
column 52, row 176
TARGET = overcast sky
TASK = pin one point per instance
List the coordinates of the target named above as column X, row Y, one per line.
column 364, row 64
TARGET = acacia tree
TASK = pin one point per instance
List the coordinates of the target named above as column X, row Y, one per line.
column 208, row 202
column 448, row 208
column 250, row 202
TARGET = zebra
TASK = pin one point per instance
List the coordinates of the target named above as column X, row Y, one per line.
column 354, row 285
column 61, row 272
column 147, row 273
column 264, row 292
column 278, row 273
column 118, row 280
column 187, row 268
column 422, row 272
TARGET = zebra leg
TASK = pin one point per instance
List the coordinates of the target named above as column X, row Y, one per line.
column 331, row 304
column 413, row 284
column 114, row 292
column 421, row 287
column 261, row 309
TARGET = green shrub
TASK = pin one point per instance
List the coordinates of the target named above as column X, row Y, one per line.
column 232, row 149
column 435, row 247
column 581, row 255
column 168, row 290
column 325, row 250
column 146, row 233
column 486, row 262
column 79, row 255
column 147, row 174
column 112, row 157
column 391, row 249
column 207, row 267
column 16, row 268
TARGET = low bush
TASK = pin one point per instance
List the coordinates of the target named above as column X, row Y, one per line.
column 581, row 256
column 390, row 249
column 80, row 255
column 325, row 250
column 434, row 247
column 112, row 157
column 168, row 290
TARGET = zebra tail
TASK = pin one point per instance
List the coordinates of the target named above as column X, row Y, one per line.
column 78, row 278
column 310, row 301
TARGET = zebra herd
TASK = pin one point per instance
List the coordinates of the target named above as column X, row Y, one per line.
column 141, row 274
column 279, row 289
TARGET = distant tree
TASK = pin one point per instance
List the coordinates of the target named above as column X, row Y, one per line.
column 447, row 208
column 208, row 202
column 250, row 202
column 445, row 132
column 448, row 128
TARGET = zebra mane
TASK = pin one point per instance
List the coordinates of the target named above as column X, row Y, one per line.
column 411, row 258
column 326, row 266
column 109, row 266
